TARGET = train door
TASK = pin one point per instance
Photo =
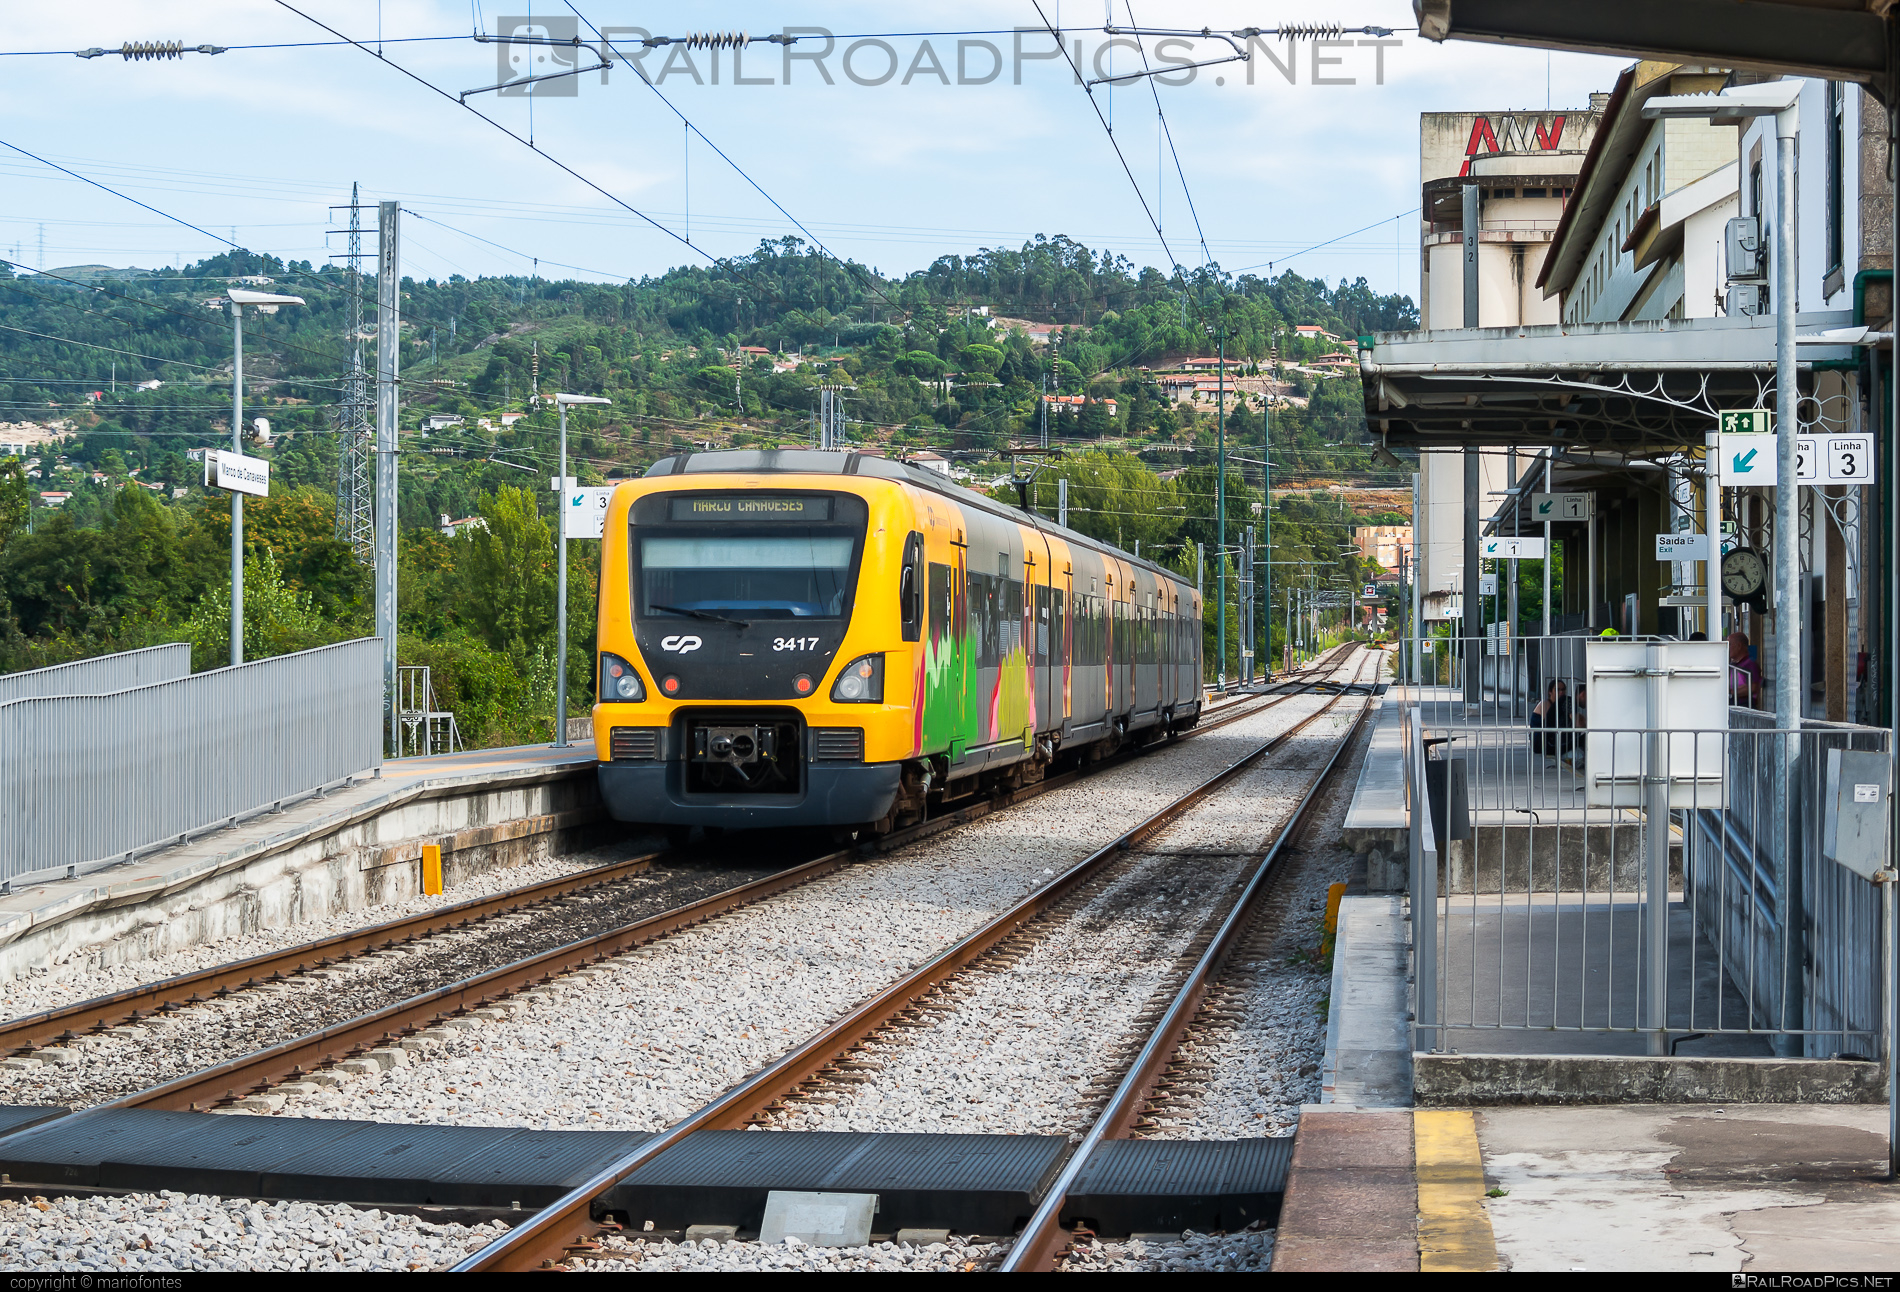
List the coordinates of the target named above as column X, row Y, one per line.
column 1122, row 639
column 964, row 668
column 1046, row 628
column 1147, row 669
column 1064, row 638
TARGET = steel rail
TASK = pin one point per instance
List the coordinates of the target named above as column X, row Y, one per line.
column 297, row 1057
column 27, row 1032
column 63, row 1023
column 551, row 1234
column 1043, row 1239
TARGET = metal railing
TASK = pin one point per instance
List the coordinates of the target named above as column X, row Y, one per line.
column 1588, row 887
column 90, row 780
column 426, row 730
column 100, row 674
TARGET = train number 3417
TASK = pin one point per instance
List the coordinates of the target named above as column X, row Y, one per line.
column 794, row 643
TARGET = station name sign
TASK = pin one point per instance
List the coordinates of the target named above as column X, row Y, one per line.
column 736, row 507
column 236, row 473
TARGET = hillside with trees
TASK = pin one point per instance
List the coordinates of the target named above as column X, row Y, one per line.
column 952, row 359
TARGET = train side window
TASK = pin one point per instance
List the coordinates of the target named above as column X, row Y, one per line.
column 910, row 589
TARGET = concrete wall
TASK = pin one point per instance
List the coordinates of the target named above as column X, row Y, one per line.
column 360, row 863
column 1596, row 858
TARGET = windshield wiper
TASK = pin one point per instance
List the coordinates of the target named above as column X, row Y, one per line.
column 705, row 614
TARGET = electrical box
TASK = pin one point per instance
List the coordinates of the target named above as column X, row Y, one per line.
column 1693, row 718
column 1747, row 300
column 1743, row 244
column 1854, row 828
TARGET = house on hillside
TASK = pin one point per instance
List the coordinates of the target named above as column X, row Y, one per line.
column 1076, row 402
column 1314, row 332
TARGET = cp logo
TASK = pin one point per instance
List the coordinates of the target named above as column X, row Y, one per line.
column 680, row 644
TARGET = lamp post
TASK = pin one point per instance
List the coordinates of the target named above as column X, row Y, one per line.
column 267, row 301
column 1780, row 100
column 1220, row 502
column 560, row 578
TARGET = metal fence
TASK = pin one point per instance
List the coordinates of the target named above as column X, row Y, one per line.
column 100, row 674
column 1601, row 885
column 89, row 780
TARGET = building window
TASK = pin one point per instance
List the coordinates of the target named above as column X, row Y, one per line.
column 1836, row 175
column 1534, row 192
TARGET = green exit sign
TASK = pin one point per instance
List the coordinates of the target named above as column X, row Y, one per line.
column 1747, row 421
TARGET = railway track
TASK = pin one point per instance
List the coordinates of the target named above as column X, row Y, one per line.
column 568, row 1226
column 353, row 1037
column 1043, row 1240
column 63, row 1025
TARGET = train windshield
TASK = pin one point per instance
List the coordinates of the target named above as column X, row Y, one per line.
column 798, row 574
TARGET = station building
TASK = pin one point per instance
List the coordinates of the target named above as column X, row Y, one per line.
column 1611, row 333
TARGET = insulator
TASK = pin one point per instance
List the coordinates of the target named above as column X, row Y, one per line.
column 142, row 50
column 1310, row 30
column 716, row 40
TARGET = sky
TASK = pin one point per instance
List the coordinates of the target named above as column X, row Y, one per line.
column 257, row 145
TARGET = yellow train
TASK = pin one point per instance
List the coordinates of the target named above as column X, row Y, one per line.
column 805, row 638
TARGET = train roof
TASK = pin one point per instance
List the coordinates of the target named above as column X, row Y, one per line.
column 824, row 462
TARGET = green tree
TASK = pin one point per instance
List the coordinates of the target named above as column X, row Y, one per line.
column 508, row 573
column 278, row 619
column 16, row 496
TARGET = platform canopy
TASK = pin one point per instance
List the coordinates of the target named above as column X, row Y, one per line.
column 1842, row 40
column 1647, row 387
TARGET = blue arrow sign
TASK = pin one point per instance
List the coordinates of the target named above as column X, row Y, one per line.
column 1742, row 460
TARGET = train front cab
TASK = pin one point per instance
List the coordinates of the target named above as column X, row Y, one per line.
column 770, row 630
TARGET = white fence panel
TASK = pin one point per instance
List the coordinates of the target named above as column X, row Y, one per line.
column 86, row 780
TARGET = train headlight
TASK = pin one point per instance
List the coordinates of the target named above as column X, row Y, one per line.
column 618, row 682
column 861, row 681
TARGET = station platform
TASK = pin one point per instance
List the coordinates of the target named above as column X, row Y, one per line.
column 355, row 845
column 1539, row 1150
column 1746, row 1189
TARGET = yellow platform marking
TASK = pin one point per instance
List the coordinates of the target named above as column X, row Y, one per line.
column 1454, row 1229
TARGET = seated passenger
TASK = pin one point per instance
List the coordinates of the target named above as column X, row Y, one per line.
column 1548, row 716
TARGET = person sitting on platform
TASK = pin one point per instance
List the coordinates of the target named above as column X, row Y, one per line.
column 1744, row 674
column 1548, row 716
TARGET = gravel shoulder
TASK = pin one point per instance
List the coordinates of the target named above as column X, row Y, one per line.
column 145, row 1233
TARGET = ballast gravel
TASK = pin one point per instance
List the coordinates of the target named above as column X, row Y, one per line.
column 1250, row 1251
column 1264, row 1067
column 81, row 975
column 1011, row 1047
column 664, row 1256
column 97, row 1067
column 642, row 1040
column 152, row 1233
column 1247, row 1252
